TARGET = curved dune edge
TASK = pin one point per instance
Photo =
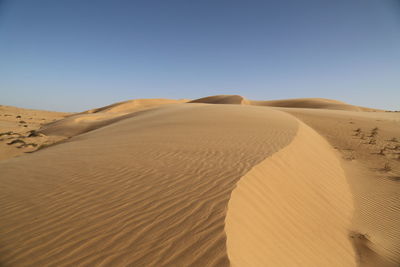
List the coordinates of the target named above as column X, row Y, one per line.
column 376, row 194
column 292, row 209
column 149, row 190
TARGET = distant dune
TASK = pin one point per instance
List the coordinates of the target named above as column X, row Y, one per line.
column 318, row 103
column 159, row 182
column 221, row 99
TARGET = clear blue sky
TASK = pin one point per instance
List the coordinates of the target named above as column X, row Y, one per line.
column 71, row 55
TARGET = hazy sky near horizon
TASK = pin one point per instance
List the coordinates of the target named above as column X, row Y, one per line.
column 72, row 55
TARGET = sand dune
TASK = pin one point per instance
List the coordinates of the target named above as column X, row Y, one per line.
column 147, row 190
column 221, row 99
column 314, row 103
column 97, row 118
column 161, row 182
column 134, row 105
column 31, row 130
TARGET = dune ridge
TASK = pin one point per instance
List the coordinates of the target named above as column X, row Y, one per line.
column 134, row 105
column 148, row 190
column 283, row 212
column 96, row 118
column 221, row 99
column 313, row 103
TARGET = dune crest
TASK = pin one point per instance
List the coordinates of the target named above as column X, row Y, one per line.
column 134, row 105
column 221, row 99
column 96, row 118
column 284, row 212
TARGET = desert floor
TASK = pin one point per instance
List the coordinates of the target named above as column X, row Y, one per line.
column 216, row 181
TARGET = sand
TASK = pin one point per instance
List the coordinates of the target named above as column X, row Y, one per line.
column 376, row 190
column 285, row 213
column 314, row 103
column 32, row 130
column 16, row 126
column 158, row 182
column 150, row 190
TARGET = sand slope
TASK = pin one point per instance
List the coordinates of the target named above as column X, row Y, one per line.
column 368, row 142
column 149, row 190
column 99, row 117
column 31, row 130
column 292, row 209
column 134, row 105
